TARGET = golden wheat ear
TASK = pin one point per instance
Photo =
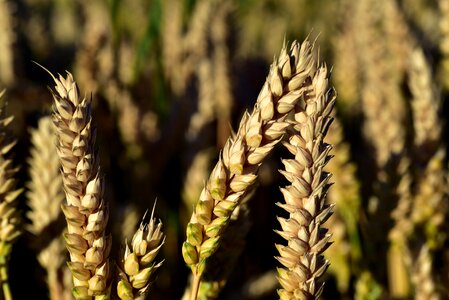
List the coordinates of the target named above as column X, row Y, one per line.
column 85, row 210
column 302, row 260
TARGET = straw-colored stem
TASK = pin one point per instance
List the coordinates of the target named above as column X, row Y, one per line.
column 6, row 291
column 195, row 285
column 54, row 285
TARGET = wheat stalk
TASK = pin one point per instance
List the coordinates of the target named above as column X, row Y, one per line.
column 235, row 172
column 85, row 211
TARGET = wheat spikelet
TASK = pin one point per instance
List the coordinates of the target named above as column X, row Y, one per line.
column 137, row 266
column 221, row 264
column 85, row 211
column 45, row 195
column 235, row 172
column 302, row 259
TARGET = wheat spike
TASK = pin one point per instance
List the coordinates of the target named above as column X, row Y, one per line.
column 137, row 267
column 45, row 196
column 302, row 259
column 85, row 210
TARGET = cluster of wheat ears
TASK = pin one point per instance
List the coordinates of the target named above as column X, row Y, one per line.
column 294, row 107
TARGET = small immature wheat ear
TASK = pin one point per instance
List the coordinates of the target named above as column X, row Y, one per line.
column 85, row 211
column 137, row 266
column 302, row 260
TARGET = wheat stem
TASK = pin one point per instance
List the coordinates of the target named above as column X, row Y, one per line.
column 7, row 295
column 195, row 285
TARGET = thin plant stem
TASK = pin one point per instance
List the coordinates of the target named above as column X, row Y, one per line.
column 4, row 279
column 5, row 250
column 195, row 285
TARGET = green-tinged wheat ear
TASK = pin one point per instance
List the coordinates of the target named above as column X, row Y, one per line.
column 137, row 266
column 235, row 174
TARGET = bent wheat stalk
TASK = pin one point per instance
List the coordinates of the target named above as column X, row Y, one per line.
column 302, row 259
column 235, row 172
column 85, row 211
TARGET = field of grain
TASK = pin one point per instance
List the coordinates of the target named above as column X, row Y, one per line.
column 224, row 149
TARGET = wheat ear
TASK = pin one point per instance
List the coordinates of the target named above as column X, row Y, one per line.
column 85, row 211
column 302, row 259
column 10, row 219
column 137, row 266
column 235, row 172
column 346, row 250
column 45, row 195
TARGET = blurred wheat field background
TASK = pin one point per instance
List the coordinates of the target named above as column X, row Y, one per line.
column 187, row 110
